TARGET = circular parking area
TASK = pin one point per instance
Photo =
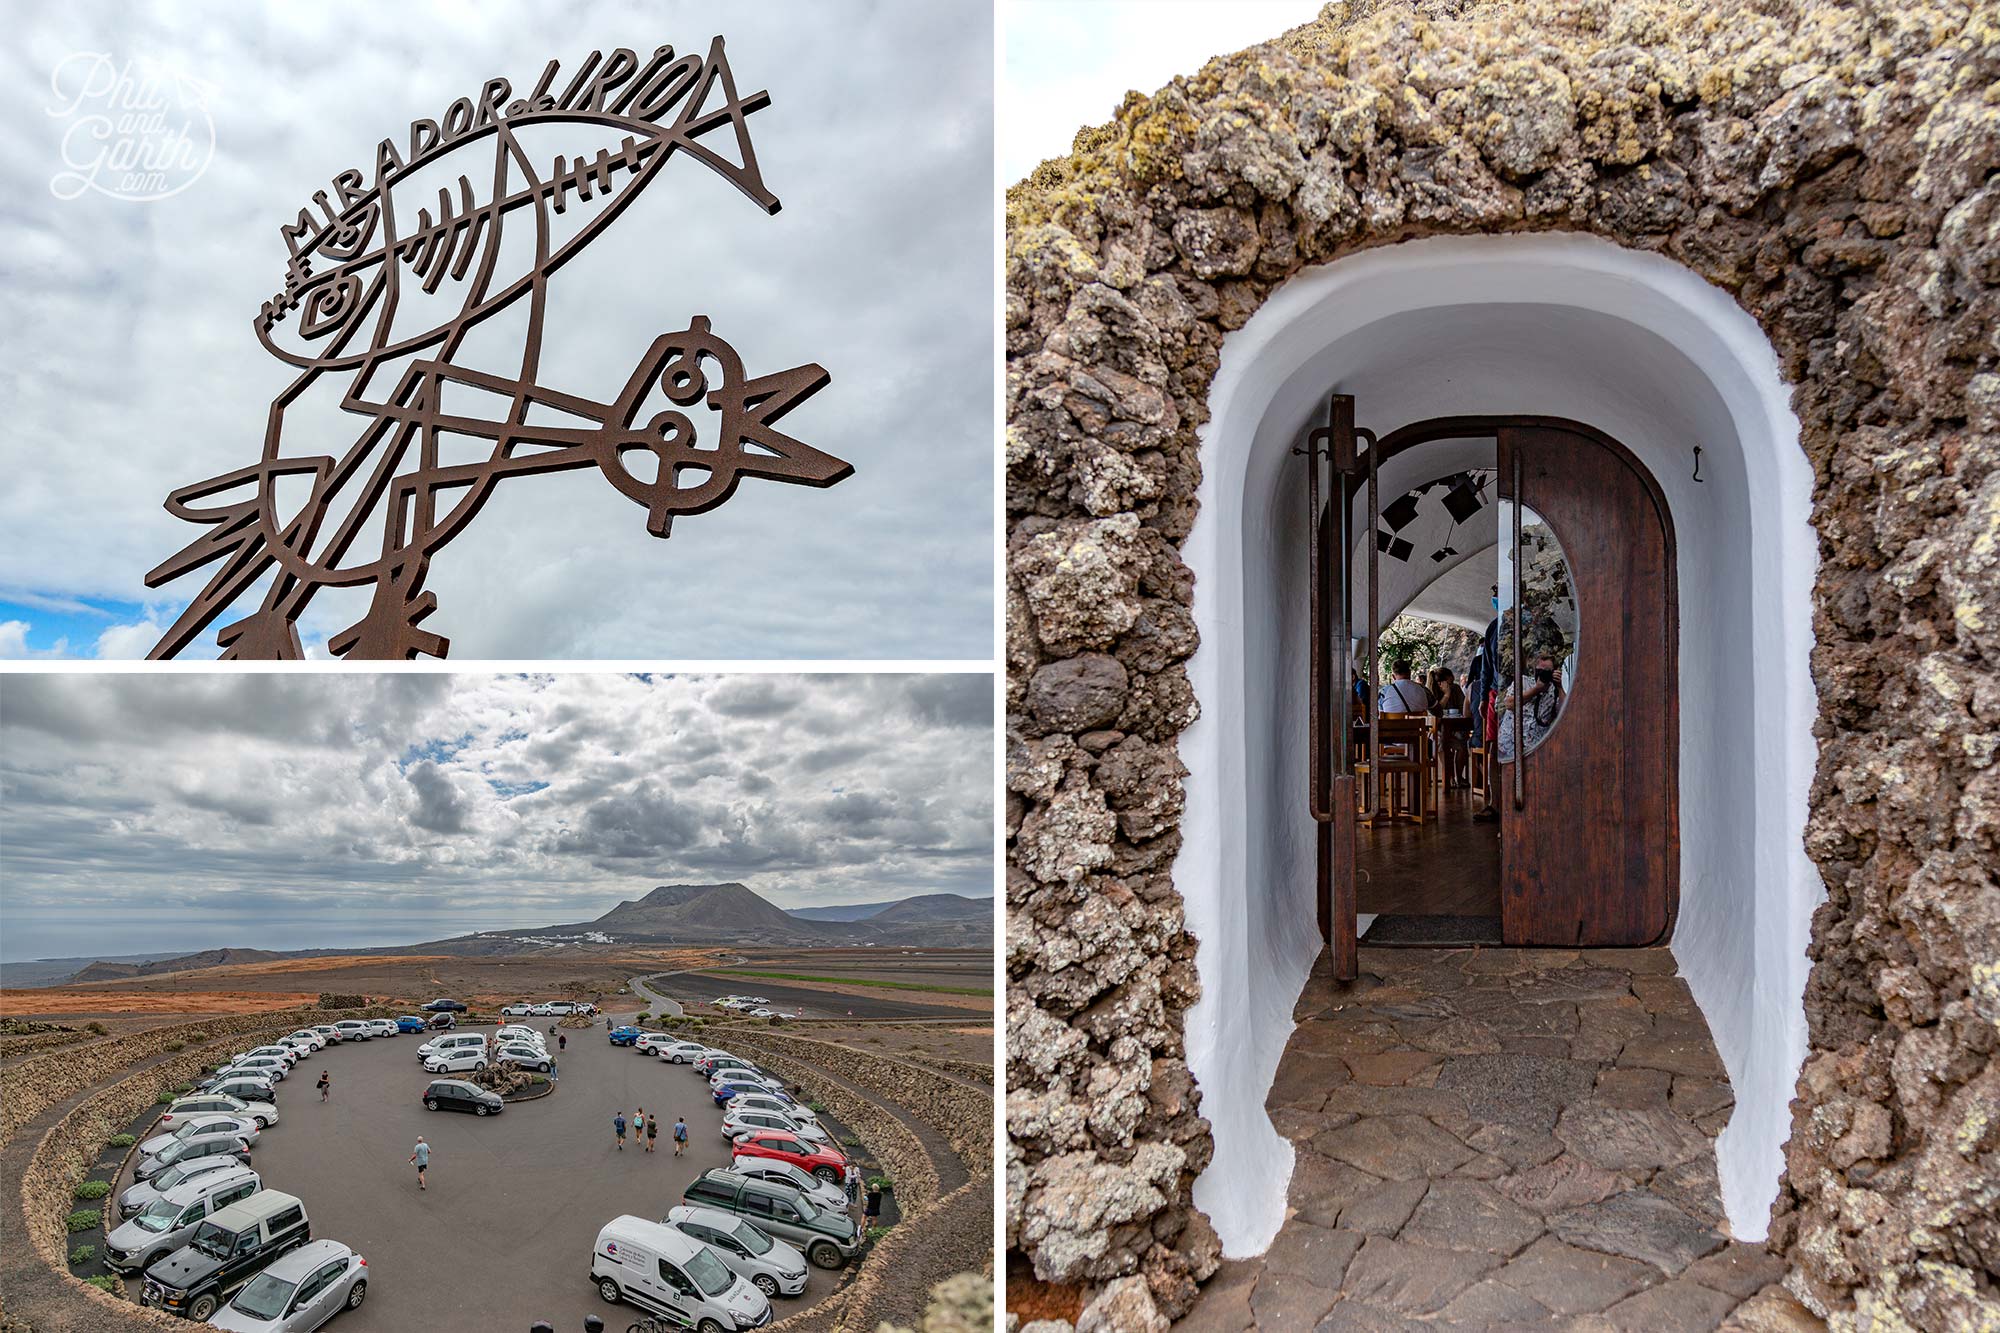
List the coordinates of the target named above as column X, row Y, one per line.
column 503, row 1235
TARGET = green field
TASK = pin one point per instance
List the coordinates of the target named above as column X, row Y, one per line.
column 855, row 981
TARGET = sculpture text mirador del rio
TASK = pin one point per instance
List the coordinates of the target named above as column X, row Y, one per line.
column 386, row 277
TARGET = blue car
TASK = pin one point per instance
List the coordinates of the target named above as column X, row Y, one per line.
column 625, row 1036
column 411, row 1023
column 727, row 1090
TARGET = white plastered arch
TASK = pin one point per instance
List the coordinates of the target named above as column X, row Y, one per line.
column 1554, row 325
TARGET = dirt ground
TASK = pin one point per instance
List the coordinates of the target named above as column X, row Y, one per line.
column 951, row 1043
column 92, row 1002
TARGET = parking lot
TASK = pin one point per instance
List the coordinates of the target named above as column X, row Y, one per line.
column 503, row 1235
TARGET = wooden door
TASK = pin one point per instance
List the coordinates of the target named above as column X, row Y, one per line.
column 1590, row 838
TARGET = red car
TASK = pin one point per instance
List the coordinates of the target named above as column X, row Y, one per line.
column 826, row 1163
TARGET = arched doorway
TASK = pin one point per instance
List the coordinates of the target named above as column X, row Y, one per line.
column 1539, row 325
column 1537, row 803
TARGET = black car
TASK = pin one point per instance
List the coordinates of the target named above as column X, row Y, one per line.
column 234, row 1245
column 455, row 1094
column 445, row 1006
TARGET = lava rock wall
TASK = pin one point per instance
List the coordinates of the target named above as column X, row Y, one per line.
column 1832, row 167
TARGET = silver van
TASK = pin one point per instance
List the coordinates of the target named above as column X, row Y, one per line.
column 168, row 1222
column 655, row 1267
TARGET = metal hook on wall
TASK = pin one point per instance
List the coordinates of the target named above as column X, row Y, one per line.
column 1697, row 464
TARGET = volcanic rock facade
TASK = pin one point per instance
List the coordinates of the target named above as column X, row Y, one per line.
column 1830, row 166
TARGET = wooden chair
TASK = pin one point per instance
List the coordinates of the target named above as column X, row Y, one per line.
column 1454, row 737
column 1400, row 768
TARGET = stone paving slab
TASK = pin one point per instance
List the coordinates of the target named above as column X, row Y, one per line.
column 1502, row 1139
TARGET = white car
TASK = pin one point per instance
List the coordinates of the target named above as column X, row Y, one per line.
column 752, row 1101
column 311, row 1037
column 329, row 1032
column 735, row 1122
column 520, row 1032
column 354, row 1029
column 517, row 1011
column 678, row 1052
column 385, row 1027
column 270, row 1066
column 199, row 1129
column 541, row 1011
column 647, row 1042
column 825, row 1194
column 737, row 1074
column 286, row 1053
column 456, row 1061
column 528, row 1057
column 217, row 1103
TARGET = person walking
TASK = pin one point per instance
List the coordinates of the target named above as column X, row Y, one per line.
column 325, row 1084
column 562, row 1041
column 874, row 1209
column 422, row 1157
column 680, row 1135
column 652, row 1133
column 639, row 1128
column 618, row 1123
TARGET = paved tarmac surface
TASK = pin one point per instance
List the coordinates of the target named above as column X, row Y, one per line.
column 503, row 1235
column 810, row 1003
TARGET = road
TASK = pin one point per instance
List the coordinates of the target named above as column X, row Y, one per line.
column 503, row 1235
column 811, row 1003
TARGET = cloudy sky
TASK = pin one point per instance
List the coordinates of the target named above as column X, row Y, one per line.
column 146, row 812
column 129, row 367
column 1069, row 63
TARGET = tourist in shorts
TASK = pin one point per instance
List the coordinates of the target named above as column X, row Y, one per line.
column 422, row 1157
column 325, row 1085
column 680, row 1135
column 618, row 1123
column 652, row 1133
column 639, row 1127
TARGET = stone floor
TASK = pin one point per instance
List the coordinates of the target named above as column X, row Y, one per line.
column 1502, row 1139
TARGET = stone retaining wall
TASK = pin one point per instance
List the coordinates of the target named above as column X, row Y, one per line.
column 13, row 1047
column 894, row 1145
column 963, row 1115
column 34, row 1085
column 924, row 1248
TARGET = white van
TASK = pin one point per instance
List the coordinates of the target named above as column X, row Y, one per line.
column 657, row 1268
column 451, row 1041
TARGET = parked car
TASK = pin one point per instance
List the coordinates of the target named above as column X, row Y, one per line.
column 526, row 1056
column 251, row 1088
column 751, row 1077
column 716, row 1061
column 454, row 1094
column 825, row 1193
column 299, row 1292
column 288, row 1054
column 310, row 1039
column 169, row 1221
column 561, row 1008
column 624, row 1036
column 648, row 1042
column 441, row 1006
column 781, row 1102
column 138, row 1196
column 729, row 1090
column 655, row 1267
column 738, row 1123
column 269, row 1065
column 230, row 1248
column 773, row 1267
column 176, row 1153
column 263, row 1113
column 453, row 1041
column 678, row 1052
column 207, row 1125
column 329, row 1031
column 385, row 1027
column 827, row 1237
column 444, row 1022
column 410, row 1023
column 523, row 1010
column 355, row 1029
column 517, row 1031
column 540, row 1009
column 459, row 1061
column 822, row 1159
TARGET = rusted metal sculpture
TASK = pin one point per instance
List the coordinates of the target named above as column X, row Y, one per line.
column 349, row 307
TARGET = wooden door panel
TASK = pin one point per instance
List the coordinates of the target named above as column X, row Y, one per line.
column 1591, row 856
